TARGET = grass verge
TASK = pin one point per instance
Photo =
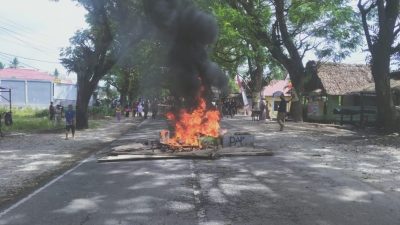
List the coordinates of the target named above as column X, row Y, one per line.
column 37, row 120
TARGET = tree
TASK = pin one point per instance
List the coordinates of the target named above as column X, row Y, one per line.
column 236, row 48
column 380, row 20
column 230, row 51
column 114, row 27
column 139, row 73
column 256, row 65
column 1, row 66
column 14, row 63
column 122, row 79
column 150, row 59
column 56, row 73
column 290, row 29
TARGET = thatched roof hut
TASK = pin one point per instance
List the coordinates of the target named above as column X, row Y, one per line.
column 395, row 75
column 337, row 78
column 394, row 85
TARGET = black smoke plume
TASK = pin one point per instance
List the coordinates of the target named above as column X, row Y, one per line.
column 189, row 32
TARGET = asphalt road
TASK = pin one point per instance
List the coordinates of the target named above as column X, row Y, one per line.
column 240, row 190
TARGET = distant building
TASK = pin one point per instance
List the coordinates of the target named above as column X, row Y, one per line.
column 64, row 92
column 332, row 86
column 36, row 88
column 369, row 92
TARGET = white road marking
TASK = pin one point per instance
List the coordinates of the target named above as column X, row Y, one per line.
column 20, row 202
column 201, row 212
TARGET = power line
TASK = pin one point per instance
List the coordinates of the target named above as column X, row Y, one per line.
column 39, row 60
column 22, row 27
column 15, row 23
column 26, row 38
column 27, row 65
column 25, row 32
column 24, row 45
column 24, row 64
column 25, row 42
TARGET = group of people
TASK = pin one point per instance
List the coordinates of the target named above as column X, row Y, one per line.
column 140, row 108
column 56, row 113
column 229, row 107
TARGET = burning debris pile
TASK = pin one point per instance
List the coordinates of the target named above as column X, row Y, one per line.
column 189, row 32
column 191, row 127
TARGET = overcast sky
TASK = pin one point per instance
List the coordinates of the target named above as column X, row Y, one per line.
column 37, row 30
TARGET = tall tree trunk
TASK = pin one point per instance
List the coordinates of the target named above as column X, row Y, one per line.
column 124, row 91
column 82, row 104
column 256, row 79
column 256, row 69
column 380, row 47
column 385, row 106
column 296, row 107
column 122, row 98
column 85, row 91
column 297, row 75
column 380, row 71
column 294, row 63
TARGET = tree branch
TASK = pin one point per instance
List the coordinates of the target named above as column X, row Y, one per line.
column 298, row 30
column 286, row 38
column 302, row 41
column 308, row 48
column 364, row 13
column 225, row 57
column 397, row 31
column 395, row 49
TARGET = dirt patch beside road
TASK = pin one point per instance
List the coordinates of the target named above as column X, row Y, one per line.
column 27, row 160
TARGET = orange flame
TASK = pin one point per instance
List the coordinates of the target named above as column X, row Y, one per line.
column 192, row 125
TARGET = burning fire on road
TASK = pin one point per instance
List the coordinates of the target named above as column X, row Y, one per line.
column 189, row 127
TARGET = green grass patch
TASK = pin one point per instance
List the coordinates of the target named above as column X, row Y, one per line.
column 93, row 124
column 29, row 120
column 27, row 124
column 37, row 120
column 27, row 112
column 100, row 112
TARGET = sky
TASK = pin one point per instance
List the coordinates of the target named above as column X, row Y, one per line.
column 34, row 31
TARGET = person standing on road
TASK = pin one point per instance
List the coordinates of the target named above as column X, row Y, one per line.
column 154, row 108
column 146, row 108
column 139, row 108
column 282, row 112
column 118, row 113
column 127, row 111
column 58, row 114
column 70, row 122
column 230, row 108
column 51, row 112
column 234, row 106
column 267, row 117
column 262, row 110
